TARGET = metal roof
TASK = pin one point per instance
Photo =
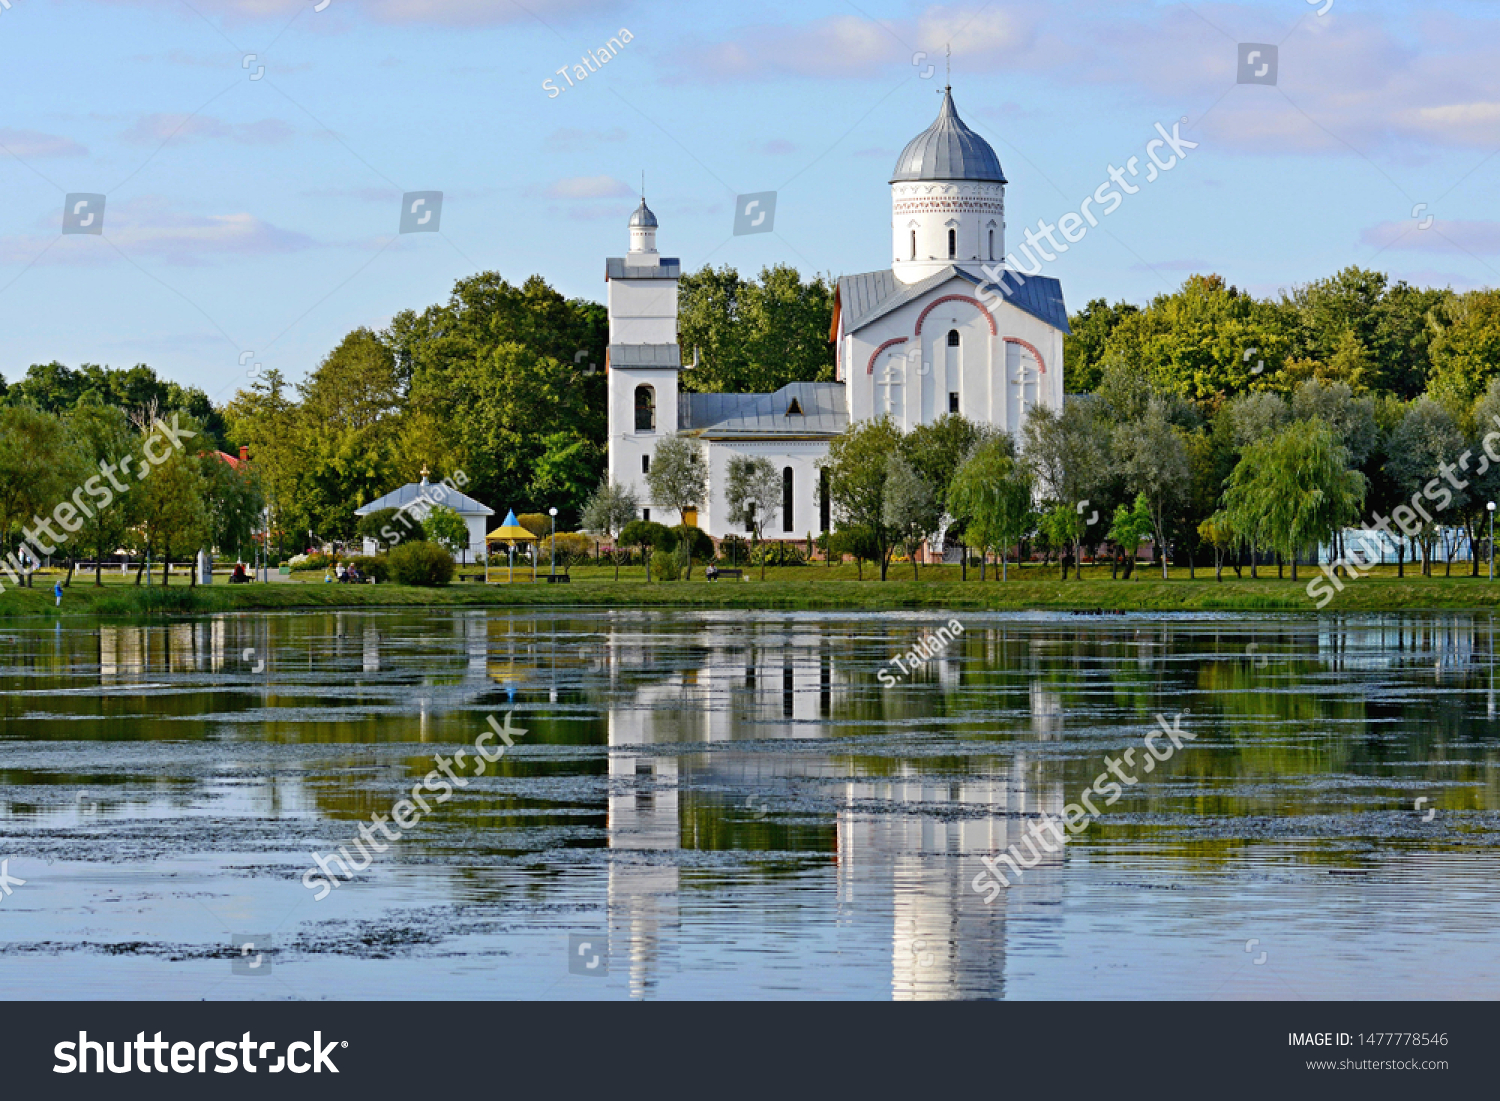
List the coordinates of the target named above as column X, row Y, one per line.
column 871, row 295
column 662, row 267
column 824, row 412
column 948, row 150
column 643, row 215
column 436, row 493
column 645, row 355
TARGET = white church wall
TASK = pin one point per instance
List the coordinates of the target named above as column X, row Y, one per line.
column 642, row 311
column 626, row 445
column 928, row 209
column 802, row 456
column 983, row 366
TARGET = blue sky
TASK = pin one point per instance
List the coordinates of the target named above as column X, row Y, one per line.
column 261, row 215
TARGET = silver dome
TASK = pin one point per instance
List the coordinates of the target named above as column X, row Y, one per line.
column 643, row 217
column 948, row 150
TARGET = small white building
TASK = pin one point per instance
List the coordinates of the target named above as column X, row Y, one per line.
column 934, row 333
column 418, row 498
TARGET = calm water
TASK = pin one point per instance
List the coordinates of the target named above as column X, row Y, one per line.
column 733, row 805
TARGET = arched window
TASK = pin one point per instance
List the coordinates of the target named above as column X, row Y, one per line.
column 645, row 409
column 913, row 244
column 992, row 244
column 952, row 243
column 953, row 338
column 786, row 499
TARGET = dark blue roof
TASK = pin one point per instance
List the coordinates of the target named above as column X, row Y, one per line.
column 948, row 150
column 871, row 295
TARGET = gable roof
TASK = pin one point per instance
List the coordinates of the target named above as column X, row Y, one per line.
column 871, row 295
column 438, row 494
column 824, row 412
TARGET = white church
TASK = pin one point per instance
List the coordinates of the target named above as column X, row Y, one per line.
column 931, row 334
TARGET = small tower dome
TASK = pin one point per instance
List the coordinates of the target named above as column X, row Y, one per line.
column 643, row 229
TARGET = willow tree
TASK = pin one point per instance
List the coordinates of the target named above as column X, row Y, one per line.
column 1294, row 490
column 991, row 495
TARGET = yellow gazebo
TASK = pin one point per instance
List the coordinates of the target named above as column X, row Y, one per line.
column 509, row 532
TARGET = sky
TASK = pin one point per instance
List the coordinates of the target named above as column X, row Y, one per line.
column 253, row 204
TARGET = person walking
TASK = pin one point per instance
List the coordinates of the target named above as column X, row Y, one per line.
column 57, row 592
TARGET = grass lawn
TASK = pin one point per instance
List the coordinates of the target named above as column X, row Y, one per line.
column 811, row 587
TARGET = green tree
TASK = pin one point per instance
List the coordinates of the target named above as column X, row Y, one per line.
column 1068, row 455
column 678, row 478
column 37, row 465
column 1085, row 345
column 566, row 471
column 608, row 511
column 648, row 536
column 857, row 471
column 755, row 336
column 171, row 510
column 992, row 493
column 1128, row 527
column 1427, row 438
column 103, row 436
column 857, row 542
column 912, row 514
column 752, row 490
column 1294, row 490
column 1466, row 352
column 1153, row 456
column 446, row 528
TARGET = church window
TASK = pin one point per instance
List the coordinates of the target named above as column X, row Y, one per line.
column 794, row 409
column 952, row 243
column 824, row 505
column 913, row 244
column 645, row 464
column 953, row 338
column 992, row 244
column 646, row 514
column 786, row 499
column 749, row 517
column 953, row 401
column 645, row 409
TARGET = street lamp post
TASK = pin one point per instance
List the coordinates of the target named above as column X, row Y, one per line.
column 1491, row 508
column 552, row 512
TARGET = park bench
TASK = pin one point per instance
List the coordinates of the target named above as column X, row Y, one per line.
column 557, row 578
column 730, row 573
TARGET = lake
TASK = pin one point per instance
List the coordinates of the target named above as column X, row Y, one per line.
column 748, row 805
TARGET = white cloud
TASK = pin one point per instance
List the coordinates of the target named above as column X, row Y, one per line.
column 1472, row 238
column 589, row 187
column 148, row 226
column 150, row 130
column 448, row 13
column 30, row 144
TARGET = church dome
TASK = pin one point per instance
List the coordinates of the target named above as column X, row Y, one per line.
column 948, row 150
column 644, row 218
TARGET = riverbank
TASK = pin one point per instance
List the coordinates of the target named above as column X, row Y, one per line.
column 811, row 587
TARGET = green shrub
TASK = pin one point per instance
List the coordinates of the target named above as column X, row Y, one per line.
column 419, row 563
column 777, row 554
column 733, row 551
column 377, row 567
column 310, row 561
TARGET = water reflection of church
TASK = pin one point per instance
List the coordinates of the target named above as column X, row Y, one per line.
column 904, row 843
